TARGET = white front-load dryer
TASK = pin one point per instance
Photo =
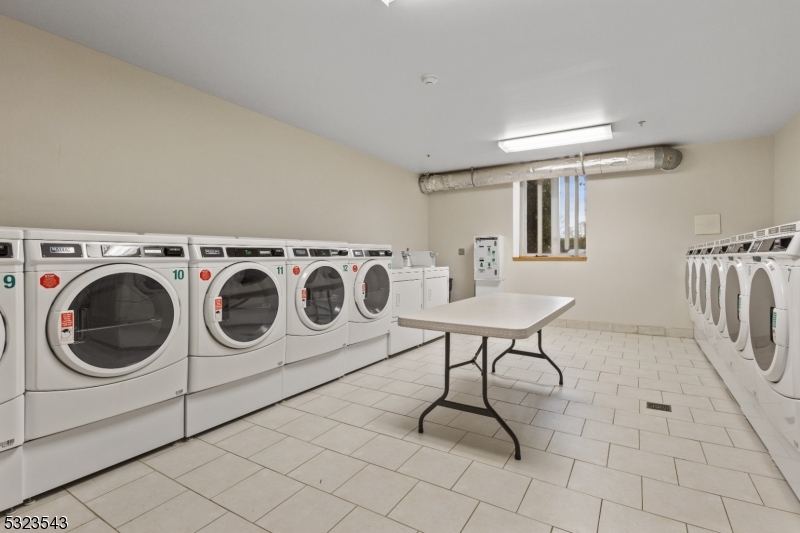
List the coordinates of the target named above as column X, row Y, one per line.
column 106, row 347
column 719, row 273
column 710, row 291
column 12, row 367
column 687, row 281
column 774, row 324
column 237, row 328
column 317, row 314
column 370, row 282
column 736, row 302
column 694, row 292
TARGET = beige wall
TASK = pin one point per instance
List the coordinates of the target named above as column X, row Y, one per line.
column 639, row 226
column 90, row 142
column 787, row 172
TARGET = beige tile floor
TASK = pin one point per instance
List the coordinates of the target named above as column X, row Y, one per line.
column 346, row 457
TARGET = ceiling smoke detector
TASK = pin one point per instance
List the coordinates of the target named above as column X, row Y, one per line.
column 429, row 79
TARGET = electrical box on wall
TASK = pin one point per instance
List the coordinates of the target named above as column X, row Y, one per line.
column 489, row 264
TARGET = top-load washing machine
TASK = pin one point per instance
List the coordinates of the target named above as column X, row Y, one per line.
column 12, row 366
column 774, row 324
column 106, row 347
column 435, row 292
column 406, row 298
column 370, row 282
column 317, row 314
column 237, row 328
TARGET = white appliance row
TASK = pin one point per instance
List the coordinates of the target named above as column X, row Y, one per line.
column 115, row 344
column 744, row 300
column 415, row 288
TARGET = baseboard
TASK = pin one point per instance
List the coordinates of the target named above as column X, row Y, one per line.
column 653, row 331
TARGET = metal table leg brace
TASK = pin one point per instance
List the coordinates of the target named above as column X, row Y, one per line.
column 540, row 355
column 485, row 411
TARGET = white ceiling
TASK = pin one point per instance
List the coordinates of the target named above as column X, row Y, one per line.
column 349, row 70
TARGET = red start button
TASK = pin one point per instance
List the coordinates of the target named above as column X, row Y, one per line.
column 205, row 275
column 49, row 281
column 296, row 270
column 355, row 268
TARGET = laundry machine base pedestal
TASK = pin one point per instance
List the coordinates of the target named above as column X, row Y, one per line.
column 402, row 339
column 212, row 407
column 309, row 373
column 11, row 474
column 52, row 461
column 785, row 456
column 366, row 353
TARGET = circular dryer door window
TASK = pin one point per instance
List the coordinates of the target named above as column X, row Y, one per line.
column 2, row 336
column 320, row 297
column 242, row 305
column 686, row 282
column 113, row 320
column 732, row 293
column 715, row 291
column 694, row 284
column 702, row 285
column 372, row 289
column 768, row 320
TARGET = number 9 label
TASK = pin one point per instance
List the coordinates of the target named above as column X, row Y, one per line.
column 9, row 281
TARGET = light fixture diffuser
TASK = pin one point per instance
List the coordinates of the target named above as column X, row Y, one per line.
column 387, row 2
column 558, row 138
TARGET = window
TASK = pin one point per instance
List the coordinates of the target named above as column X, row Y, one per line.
column 550, row 219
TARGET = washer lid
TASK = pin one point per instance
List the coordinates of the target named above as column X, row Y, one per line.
column 372, row 289
column 242, row 305
column 113, row 320
column 320, row 295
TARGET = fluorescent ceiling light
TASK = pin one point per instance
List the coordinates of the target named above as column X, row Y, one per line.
column 387, row 2
column 559, row 138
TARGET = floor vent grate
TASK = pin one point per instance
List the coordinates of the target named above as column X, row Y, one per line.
column 659, row 406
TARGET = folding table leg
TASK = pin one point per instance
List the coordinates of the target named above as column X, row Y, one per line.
column 540, row 355
column 443, row 397
column 489, row 407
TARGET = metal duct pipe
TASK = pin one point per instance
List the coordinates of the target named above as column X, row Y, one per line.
column 605, row 163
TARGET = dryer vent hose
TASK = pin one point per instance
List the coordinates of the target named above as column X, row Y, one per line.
column 622, row 161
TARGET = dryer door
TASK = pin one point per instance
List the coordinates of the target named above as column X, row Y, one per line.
column 242, row 304
column 694, row 284
column 702, row 287
column 2, row 336
column 768, row 319
column 687, row 283
column 113, row 320
column 320, row 295
column 372, row 289
column 715, row 293
column 735, row 300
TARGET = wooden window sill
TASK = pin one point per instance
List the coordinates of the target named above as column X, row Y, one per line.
column 550, row 258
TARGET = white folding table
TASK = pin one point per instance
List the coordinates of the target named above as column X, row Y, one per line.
column 499, row 315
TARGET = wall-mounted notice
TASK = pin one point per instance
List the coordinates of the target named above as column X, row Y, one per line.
column 707, row 224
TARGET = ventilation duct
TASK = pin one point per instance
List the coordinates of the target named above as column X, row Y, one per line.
column 605, row 163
